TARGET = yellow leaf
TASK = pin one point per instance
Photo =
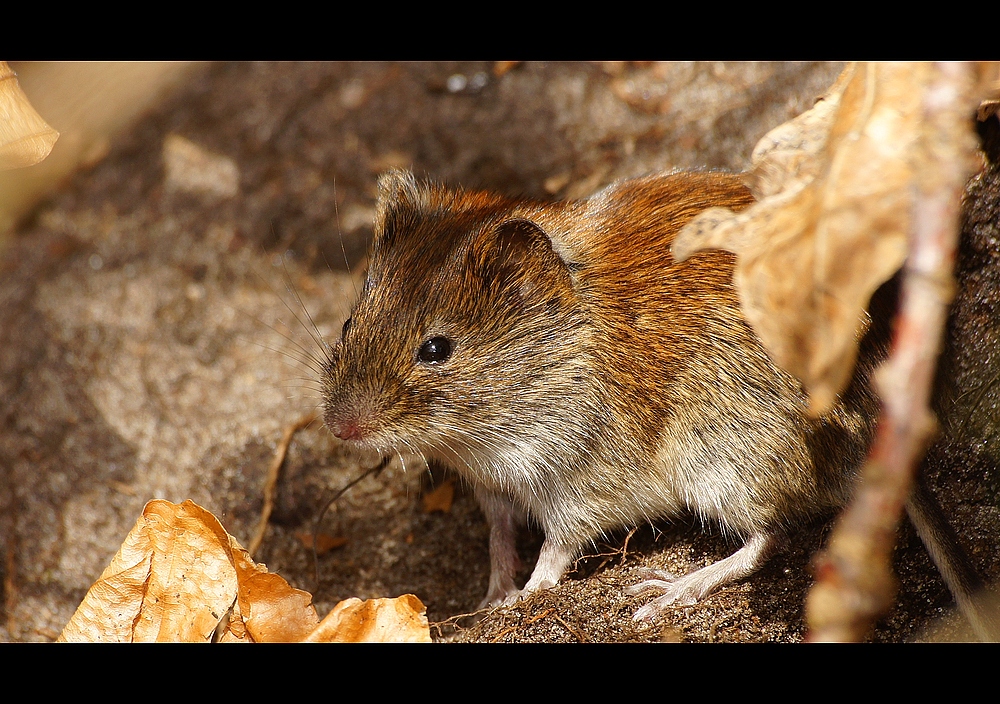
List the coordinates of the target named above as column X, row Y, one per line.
column 440, row 498
column 25, row 138
column 172, row 580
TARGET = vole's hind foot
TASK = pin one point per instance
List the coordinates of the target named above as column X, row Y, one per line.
column 674, row 591
column 695, row 586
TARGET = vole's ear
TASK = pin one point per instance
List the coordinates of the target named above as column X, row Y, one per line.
column 400, row 197
column 518, row 251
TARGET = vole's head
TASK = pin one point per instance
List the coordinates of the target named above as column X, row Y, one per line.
column 466, row 319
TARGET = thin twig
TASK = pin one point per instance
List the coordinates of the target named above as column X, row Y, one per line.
column 574, row 632
column 271, row 483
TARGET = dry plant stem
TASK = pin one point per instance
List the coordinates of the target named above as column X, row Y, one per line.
column 271, row 484
column 580, row 637
column 855, row 584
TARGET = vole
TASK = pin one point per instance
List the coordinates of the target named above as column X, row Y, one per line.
column 557, row 357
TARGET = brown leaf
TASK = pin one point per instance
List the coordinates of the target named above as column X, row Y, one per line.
column 835, row 187
column 175, row 577
column 400, row 620
column 179, row 573
column 25, row 138
column 172, row 580
column 274, row 612
column 324, row 541
column 440, row 498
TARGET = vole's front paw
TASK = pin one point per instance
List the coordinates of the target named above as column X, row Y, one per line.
column 514, row 595
column 499, row 598
column 524, row 593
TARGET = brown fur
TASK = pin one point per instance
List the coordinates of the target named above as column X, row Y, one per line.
column 593, row 382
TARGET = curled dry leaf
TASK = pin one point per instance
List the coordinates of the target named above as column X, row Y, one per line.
column 835, row 196
column 400, row 620
column 178, row 574
column 172, row 580
column 267, row 609
column 25, row 138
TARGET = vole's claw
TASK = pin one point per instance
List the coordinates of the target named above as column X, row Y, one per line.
column 514, row 598
column 652, row 610
column 649, row 574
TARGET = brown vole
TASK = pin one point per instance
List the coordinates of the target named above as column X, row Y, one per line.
column 558, row 358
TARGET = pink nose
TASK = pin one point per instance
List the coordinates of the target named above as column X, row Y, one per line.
column 347, row 430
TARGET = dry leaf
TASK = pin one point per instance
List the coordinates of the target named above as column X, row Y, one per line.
column 855, row 584
column 440, row 498
column 172, row 580
column 273, row 611
column 400, row 620
column 25, row 138
column 91, row 101
column 179, row 573
column 835, row 188
column 176, row 576
column 324, row 541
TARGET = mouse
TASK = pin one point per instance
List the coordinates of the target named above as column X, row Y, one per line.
column 558, row 358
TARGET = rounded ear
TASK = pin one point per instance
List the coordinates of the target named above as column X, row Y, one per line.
column 518, row 251
column 400, row 198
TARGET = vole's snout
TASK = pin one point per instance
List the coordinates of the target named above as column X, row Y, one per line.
column 346, row 426
column 345, row 422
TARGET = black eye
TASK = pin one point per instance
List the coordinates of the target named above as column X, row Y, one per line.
column 436, row 349
column 347, row 326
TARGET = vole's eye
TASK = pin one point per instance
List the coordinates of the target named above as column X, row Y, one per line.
column 347, row 326
column 436, row 349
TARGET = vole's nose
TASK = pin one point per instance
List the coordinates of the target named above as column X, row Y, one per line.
column 346, row 430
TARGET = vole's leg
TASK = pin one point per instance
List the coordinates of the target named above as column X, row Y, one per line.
column 553, row 561
column 502, row 517
column 696, row 585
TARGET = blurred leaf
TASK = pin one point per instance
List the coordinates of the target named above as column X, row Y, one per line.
column 25, row 138
column 440, row 498
column 324, row 541
column 835, row 188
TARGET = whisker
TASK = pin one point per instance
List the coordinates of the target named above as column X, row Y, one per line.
column 306, row 360
column 373, row 470
column 304, row 350
column 340, row 234
column 314, row 331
